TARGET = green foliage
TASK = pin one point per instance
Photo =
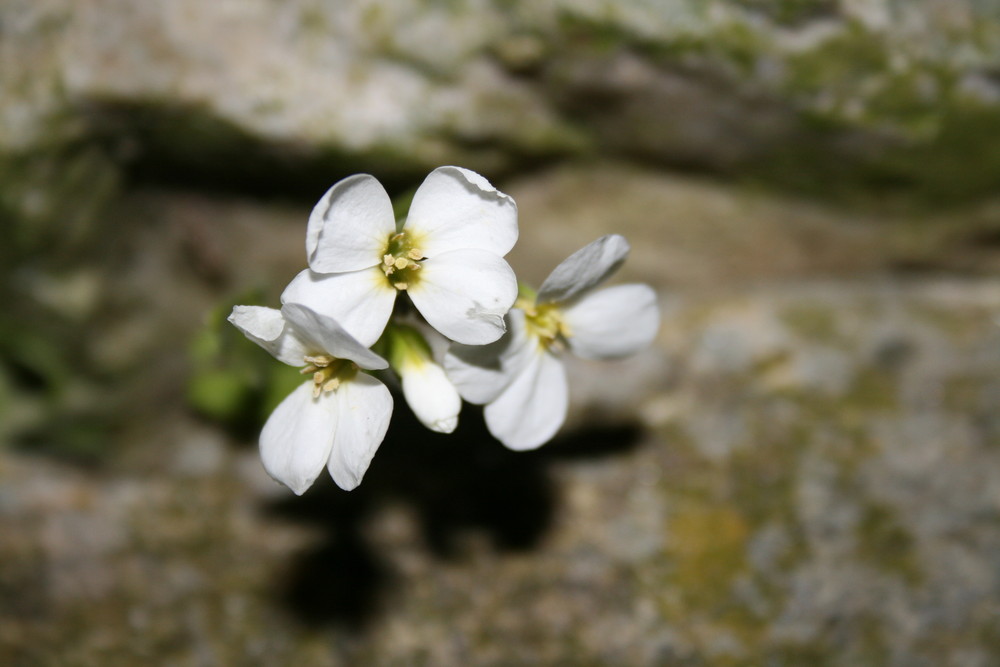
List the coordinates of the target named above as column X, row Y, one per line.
column 218, row 394
column 233, row 382
column 52, row 202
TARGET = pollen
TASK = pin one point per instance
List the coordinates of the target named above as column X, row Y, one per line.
column 319, row 360
column 401, row 260
column 545, row 322
column 327, row 372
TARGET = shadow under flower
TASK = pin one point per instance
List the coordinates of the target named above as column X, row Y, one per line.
column 456, row 484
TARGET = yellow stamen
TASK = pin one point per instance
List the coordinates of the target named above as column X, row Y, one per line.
column 319, row 360
column 328, row 372
column 401, row 260
column 546, row 323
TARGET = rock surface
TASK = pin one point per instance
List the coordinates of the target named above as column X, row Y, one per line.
column 815, row 480
column 824, row 96
column 803, row 469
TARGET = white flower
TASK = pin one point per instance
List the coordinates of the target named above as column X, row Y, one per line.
column 429, row 393
column 520, row 377
column 338, row 418
column 448, row 256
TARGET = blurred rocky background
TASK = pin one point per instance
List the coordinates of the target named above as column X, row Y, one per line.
column 805, row 470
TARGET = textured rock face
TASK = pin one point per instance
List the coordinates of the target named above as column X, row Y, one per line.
column 802, row 470
column 869, row 88
column 814, row 480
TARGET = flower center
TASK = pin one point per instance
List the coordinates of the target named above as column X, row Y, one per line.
column 545, row 322
column 401, row 261
column 328, row 372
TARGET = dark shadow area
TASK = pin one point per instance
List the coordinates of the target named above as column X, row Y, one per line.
column 460, row 483
column 188, row 147
column 218, row 156
column 338, row 580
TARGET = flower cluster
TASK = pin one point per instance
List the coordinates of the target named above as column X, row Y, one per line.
column 471, row 333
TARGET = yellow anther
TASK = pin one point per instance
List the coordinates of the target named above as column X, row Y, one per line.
column 401, row 260
column 319, row 360
column 329, row 376
column 546, row 323
column 527, row 305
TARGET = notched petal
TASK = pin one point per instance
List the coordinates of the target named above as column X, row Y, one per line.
column 585, row 269
column 349, row 226
column 267, row 327
column 456, row 209
column 614, row 322
column 330, row 337
column 359, row 301
column 482, row 372
column 464, row 294
column 533, row 407
column 365, row 408
column 296, row 441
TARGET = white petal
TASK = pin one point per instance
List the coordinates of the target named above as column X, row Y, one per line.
column 455, row 208
column 614, row 322
column 350, row 226
column 464, row 294
column 364, row 406
column 431, row 396
column 266, row 327
column 481, row 372
column 330, row 337
column 297, row 439
column 584, row 269
column 530, row 411
column 360, row 301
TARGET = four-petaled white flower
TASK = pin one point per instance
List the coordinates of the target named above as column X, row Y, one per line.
column 448, row 255
column 339, row 417
column 520, row 377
